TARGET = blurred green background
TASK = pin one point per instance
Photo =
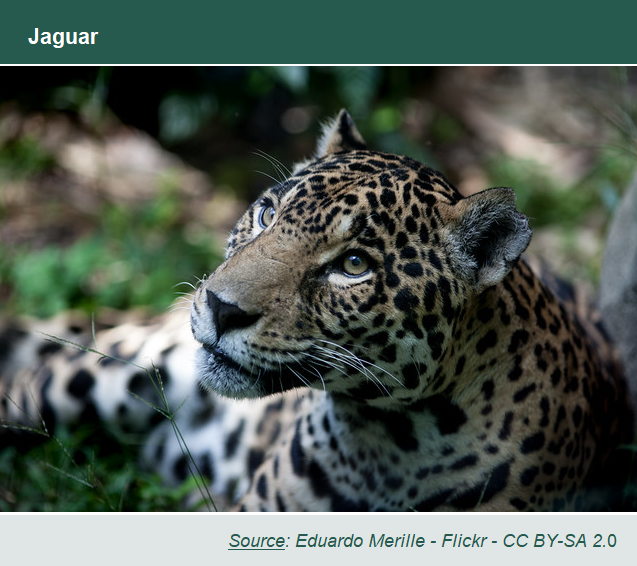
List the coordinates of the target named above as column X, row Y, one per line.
column 116, row 184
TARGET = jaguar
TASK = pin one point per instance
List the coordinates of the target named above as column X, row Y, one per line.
column 372, row 341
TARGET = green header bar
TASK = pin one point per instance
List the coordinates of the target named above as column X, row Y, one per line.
column 326, row 32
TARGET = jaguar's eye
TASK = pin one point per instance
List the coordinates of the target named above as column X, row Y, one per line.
column 266, row 216
column 355, row 264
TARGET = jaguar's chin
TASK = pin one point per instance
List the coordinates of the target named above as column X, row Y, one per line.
column 219, row 377
column 220, row 374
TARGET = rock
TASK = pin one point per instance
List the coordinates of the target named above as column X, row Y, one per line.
column 618, row 289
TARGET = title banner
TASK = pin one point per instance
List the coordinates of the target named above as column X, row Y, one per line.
column 331, row 32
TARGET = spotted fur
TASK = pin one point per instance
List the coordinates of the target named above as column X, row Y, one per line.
column 373, row 341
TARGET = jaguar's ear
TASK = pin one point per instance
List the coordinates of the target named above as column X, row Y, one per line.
column 340, row 135
column 488, row 235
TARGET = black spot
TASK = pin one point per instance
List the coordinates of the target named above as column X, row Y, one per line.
column 464, row 462
column 141, row 385
column 434, row 260
column 370, row 480
column 572, row 385
column 424, row 233
column 430, row 295
column 504, row 316
column 262, row 487
column 487, row 341
column 435, row 341
column 521, row 394
column 548, row 468
column 528, row 475
column 539, row 306
column 449, row 416
column 380, row 338
column 387, row 197
column 505, row 431
column 516, row 370
column 393, row 482
column 80, row 385
column 357, row 332
column 205, row 467
column 429, row 322
column 372, row 200
column 378, row 320
column 233, row 439
column 367, row 390
column 413, row 269
column 321, row 487
column 408, row 253
column 47, row 348
column 47, row 411
column 405, row 300
column 329, row 217
column 545, row 407
column 411, row 376
column 487, row 389
column 532, row 443
column 385, row 181
column 518, row 338
column 122, row 411
column 89, row 413
column 422, row 473
column 518, row 503
column 281, row 506
column 202, row 416
column 485, row 314
column 255, row 458
column 460, row 366
column 445, row 290
column 556, row 376
column 297, row 454
column 180, row 468
column 160, row 449
column 398, row 425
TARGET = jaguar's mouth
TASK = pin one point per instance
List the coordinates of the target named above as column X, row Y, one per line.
column 221, row 373
column 221, row 357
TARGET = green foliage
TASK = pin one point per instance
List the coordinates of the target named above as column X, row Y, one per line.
column 537, row 194
column 181, row 115
column 136, row 257
column 294, row 77
column 75, row 472
column 87, row 99
column 547, row 203
column 23, row 158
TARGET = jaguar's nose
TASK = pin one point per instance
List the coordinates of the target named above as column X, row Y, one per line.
column 227, row 316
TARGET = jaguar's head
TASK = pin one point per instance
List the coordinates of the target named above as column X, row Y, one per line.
column 347, row 277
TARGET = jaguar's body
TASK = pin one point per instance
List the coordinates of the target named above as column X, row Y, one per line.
column 373, row 341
